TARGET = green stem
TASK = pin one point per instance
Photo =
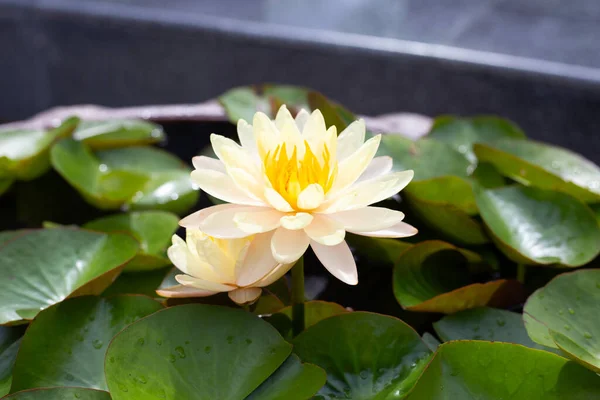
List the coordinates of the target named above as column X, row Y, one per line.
column 521, row 273
column 298, row 297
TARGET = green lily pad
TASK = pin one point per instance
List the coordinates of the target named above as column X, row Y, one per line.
column 132, row 177
column 544, row 166
column 118, row 133
column 489, row 324
column 596, row 209
column 433, row 276
column 10, row 340
column 440, row 193
column 144, row 282
column 491, row 371
column 314, row 312
column 333, row 113
column 24, row 153
column 366, row 356
column 447, row 204
column 152, row 229
column 379, row 251
column 165, row 356
column 487, row 176
column 535, row 226
column 43, row 267
column 430, row 341
column 5, row 184
column 244, row 102
column 463, row 133
column 288, row 382
column 60, row 393
column 427, row 157
column 267, row 304
column 445, row 191
column 564, row 314
column 65, row 345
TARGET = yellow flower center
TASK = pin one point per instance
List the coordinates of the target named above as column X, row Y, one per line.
column 289, row 176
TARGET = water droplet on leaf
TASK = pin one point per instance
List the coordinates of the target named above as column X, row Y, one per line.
column 180, row 351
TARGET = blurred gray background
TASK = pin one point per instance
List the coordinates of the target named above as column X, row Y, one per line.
column 534, row 61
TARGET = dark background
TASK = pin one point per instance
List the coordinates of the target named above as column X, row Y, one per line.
column 533, row 61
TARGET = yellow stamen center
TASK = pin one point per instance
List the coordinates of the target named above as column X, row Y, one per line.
column 289, row 176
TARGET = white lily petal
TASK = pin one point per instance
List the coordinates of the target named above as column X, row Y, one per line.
column 194, row 220
column 258, row 220
column 251, row 185
column 245, row 296
column 265, row 133
column 222, row 225
column 277, row 201
column 181, row 291
column 246, row 136
column 283, row 117
column 367, row 218
column 279, row 271
column 210, row 263
column 338, row 260
column 232, row 155
column 203, row 162
column 187, row 280
column 221, row 186
column 288, row 246
column 301, row 119
column 292, row 138
column 311, row 197
column 325, row 230
column 178, row 253
column 314, row 125
column 350, row 139
column 350, row 169
column 400, row 230
column 368, row 192
column 330, row 141
column 297, row 221
column 378, row 166
column 184, row 256
column 259, row 261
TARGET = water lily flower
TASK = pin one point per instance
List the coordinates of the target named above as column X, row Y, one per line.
column 240, row 267
column 304, row 184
